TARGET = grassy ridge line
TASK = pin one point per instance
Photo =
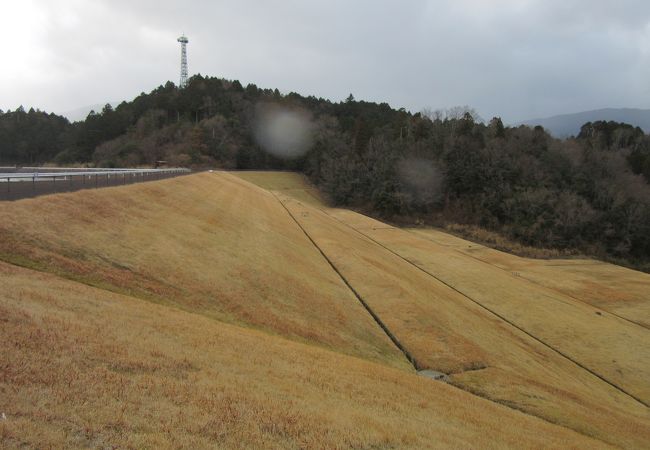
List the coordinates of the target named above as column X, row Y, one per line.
column 83, row 367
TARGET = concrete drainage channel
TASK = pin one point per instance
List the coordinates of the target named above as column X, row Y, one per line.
column 434, row 375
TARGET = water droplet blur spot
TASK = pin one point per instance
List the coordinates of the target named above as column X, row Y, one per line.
column 282, row 132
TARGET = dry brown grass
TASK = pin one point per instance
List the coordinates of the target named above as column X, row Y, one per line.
column 445, row 331
column 208, row 243
column 497, row 241
column 293, row 184
column 83, row 367
column 87, row 367
column 616, row 289
column 613, row 288
column 613, row 348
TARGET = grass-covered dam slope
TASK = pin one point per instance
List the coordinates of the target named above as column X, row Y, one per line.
column 240, row 311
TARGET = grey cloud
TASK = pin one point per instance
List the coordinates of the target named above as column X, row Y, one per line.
column 513, row 58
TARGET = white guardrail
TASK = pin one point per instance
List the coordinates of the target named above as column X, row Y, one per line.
column 47, row 173
column 27, row 182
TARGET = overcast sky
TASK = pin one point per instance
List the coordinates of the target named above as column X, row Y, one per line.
column 518, row 59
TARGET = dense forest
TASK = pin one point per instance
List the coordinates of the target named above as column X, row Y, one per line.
column 589, row 193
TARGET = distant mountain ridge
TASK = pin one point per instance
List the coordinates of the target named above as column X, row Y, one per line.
column 79, row 114
column 566, row 125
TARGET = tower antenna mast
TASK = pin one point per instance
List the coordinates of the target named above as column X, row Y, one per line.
column 183, row 40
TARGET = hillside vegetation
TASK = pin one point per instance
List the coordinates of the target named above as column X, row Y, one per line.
column 203, row 311
column 587, row 194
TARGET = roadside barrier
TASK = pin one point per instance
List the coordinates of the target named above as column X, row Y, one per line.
column 15, row 186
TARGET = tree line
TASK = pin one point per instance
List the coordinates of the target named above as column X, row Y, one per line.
column 590, row 192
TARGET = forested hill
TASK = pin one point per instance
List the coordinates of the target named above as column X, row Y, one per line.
column 589, row 193
column 208, row 123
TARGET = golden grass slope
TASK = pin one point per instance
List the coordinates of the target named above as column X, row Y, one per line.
column 615, row 349
column 445, row 331
column 208, row 243
column 213, row 248
column 83, row 367
column 290, row 183
column 615, row 289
